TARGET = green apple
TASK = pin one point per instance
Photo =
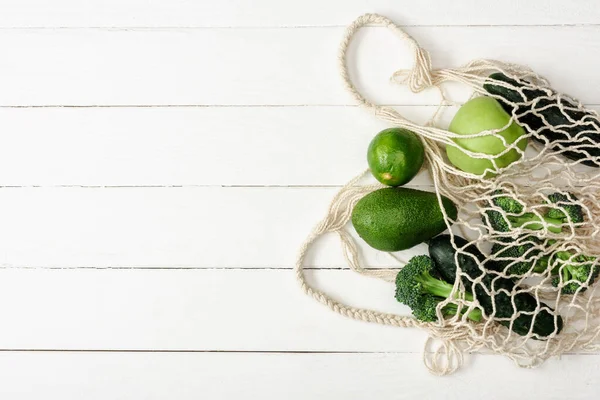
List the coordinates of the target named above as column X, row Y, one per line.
column 478, row 115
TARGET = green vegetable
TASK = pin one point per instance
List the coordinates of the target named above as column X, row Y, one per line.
column 422, row 292
column 574, row 271
column 395, row 156
column 478, row 115
column 570, row 270
column 535, row 107
column 543, row 324
column 506, row 255
column 393, row 219
column 516, row 218
column 568, row 208
column 527, row 247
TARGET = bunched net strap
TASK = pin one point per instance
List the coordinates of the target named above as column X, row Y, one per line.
column 456, row 336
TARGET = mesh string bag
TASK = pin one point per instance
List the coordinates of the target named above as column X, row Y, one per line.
column 560, row 168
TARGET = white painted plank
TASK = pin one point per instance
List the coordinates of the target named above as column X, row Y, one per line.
column 267, row 66
column 165, row 13
column 195, row 227
column 188, row 376
column 189, row 146
column 199, row 310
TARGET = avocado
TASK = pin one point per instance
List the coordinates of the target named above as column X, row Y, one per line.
column 397, row 218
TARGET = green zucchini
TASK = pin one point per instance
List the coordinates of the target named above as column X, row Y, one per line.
column 545, row 323
column 543, row 106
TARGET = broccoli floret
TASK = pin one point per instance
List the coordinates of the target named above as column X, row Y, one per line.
column 508, row 254
column 507, row 203
column 570, row 272
column 422, row 292
column 496, row 221
column 573, row 272
column 567, row 203
column 516, row 218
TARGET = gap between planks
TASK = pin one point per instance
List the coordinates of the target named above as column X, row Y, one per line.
column 268, row 27
column 205, row 351
column 233, row 105
column 176, row 268
column 185, row 186
column 191, row 351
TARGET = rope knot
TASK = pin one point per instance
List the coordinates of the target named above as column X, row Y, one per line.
column 421, row 76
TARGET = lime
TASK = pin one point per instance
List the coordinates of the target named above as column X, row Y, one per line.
column 395, row 156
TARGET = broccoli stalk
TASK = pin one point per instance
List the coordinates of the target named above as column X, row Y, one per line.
column 422, row 292
column 555, row 217
column 516, row 218
column 534, row 222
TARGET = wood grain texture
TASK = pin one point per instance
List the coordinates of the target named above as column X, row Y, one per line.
column 91, row 67
column 199, row 310
column 220, row 376
column 163, row 160
column 145, row 13
column 194, row 227
column 189, row 146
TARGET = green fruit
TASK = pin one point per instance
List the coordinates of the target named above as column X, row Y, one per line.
column 395, row 156
column 475, row 116
column 393, row 219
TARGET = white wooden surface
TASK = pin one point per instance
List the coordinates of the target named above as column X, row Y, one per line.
column 162, row 161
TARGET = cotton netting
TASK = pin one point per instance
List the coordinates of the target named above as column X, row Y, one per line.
column 559, row 159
